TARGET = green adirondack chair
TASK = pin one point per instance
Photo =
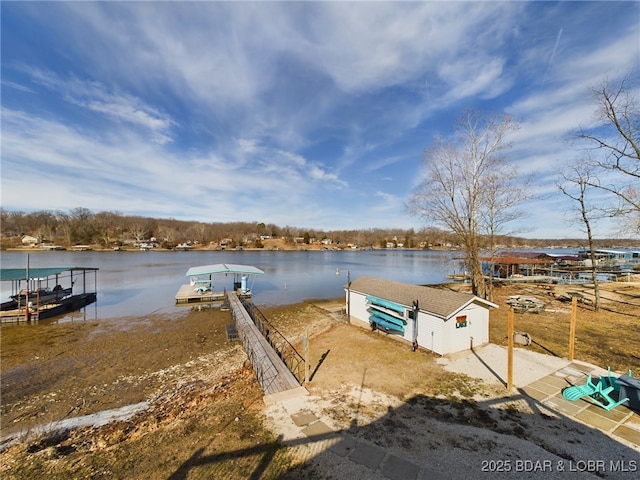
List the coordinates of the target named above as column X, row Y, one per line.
column 597, row 393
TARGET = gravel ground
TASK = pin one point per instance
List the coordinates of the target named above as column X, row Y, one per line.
column 489, row 363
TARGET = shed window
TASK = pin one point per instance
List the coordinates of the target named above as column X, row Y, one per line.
column 461, row 321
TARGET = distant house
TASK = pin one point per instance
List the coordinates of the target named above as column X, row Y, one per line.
column 446, row 321
column 508, row 264
column 30, row 240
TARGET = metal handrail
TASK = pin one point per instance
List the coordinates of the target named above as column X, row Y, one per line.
column 287, row 352
column 264, row 369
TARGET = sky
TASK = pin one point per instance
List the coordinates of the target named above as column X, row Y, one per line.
column 304, row 114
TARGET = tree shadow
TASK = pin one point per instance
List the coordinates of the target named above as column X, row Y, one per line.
column 266, row 452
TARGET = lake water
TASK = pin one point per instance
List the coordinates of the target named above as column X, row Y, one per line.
column 139, row 283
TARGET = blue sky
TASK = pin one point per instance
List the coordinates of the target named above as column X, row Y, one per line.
column 303, row 114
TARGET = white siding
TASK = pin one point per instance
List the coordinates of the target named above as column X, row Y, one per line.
column 459, row 339
column 431, row 333
column 359, row 314
column 434, row 333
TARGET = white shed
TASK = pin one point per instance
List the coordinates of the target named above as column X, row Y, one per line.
column 446, row 321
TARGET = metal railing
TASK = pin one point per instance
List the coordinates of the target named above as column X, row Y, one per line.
column 287, row 353
column 265, row 370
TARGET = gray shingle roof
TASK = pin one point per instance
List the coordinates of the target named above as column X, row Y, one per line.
column 442, row 303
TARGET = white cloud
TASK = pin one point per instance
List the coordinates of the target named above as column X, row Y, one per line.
column 287, row 110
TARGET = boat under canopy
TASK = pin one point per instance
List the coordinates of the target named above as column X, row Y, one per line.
column 47, row 291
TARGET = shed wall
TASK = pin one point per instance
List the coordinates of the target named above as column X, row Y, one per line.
column 434, row 333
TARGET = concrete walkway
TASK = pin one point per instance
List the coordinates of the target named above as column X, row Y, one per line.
column 359, row 458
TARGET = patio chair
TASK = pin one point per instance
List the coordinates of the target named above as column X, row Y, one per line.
column 595, row 393
column 610, row 380
column 576, row 392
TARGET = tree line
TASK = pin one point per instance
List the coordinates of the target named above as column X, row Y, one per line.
column 81, row 226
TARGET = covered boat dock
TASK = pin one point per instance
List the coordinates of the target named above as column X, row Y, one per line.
column 201, row 288
column 38, row 293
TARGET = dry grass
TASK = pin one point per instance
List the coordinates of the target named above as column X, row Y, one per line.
column 206, row 420
column 606, row 338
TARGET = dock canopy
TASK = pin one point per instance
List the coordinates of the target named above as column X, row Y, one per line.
column 219, row 268
column 12, row 274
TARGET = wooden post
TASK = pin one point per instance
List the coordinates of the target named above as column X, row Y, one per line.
column 510, row 349
column 572, row 330
column 305, row 343
column 348, row 297
column 27, row 312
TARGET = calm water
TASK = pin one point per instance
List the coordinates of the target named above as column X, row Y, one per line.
column 140, row 283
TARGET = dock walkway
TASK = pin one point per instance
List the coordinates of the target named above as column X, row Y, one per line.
column 273, row 374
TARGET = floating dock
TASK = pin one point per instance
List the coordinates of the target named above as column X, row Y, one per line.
column 188, row 295
column 66, row 305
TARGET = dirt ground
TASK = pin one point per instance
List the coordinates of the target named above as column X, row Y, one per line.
column 205, row 416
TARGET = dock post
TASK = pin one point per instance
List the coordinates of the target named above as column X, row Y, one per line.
column 27, row 312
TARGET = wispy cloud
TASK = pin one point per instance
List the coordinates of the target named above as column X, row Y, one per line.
column 281, row 111
column 118, row 107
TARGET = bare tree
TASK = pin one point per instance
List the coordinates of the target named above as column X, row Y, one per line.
column 617, row 139
column 578, row 179
column 82, row 227
column 65, row 226
column 460, row 191
column 107, row 224
column 138, row 228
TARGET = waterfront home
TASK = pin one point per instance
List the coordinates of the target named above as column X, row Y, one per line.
column 30, row 240
column 442, row 321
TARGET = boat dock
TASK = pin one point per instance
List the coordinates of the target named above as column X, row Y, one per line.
column 40, row 312
column 187, row 295
column 47, row 292
column 200, row 289
column 274, row 376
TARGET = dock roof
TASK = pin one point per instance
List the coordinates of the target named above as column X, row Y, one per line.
column 219, row 268
column 7, row 274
